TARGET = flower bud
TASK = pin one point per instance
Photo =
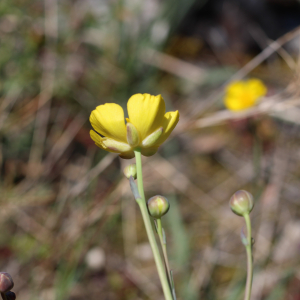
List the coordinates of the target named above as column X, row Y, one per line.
column 115, row 146
column 241, row 203
column 133, row 137
column 6, row 282
column 10, row 296
column 130, row 170
column 151, row 139
column 158, row 206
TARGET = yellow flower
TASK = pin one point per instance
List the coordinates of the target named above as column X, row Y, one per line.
column 147, row 127
column 244, row 94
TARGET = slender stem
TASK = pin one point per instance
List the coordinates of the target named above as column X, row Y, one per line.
column 249, row 258
column 138, row 159
column 142, row 204
column 164, row 249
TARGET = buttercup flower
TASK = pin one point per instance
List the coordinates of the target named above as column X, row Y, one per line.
column 147, row 127
column 244, row 94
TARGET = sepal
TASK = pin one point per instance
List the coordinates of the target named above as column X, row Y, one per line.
column 151, row 139
column 115, row 146
column 133, row 137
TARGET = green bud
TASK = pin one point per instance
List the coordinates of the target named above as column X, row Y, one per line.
column 151, row 139
column 6, row 282
column 133, row 137
column 241, row 203
column 130, row 170
column 115, row 146
column 158, row 206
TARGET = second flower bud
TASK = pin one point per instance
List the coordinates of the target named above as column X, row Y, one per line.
column 241, row 203
column 158, row 206
column 130, row 170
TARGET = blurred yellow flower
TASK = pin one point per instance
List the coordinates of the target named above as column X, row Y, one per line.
column 244, row 94
column 147, row 127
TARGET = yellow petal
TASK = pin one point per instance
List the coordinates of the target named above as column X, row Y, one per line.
column 171, row 119
column 256, row 87
column 235, row 88
column 99, row 142
column 239, row 103
column 97, row 139
column 108, row 120
column 244, row 94
column 149, row 151
column 146, row 113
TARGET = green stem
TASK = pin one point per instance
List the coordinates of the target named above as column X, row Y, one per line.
column 142, row 204
column 138, row 160
column 249, row 258
column 164, row 249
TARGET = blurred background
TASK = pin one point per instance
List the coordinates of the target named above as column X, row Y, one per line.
column 70, row 228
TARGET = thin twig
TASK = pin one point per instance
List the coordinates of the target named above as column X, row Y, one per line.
column 173, row 65
column 8, row 103
column 93, row 173
column 269, row 105
column 63, row 142
column 47, row 85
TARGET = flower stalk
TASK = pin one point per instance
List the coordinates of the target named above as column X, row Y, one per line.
column 149, row 229
column 163, row 243
column 248, row 247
